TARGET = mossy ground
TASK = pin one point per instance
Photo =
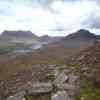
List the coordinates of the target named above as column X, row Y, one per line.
column 88, row 90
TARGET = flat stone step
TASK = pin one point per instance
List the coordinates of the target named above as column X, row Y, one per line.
column 40, row 88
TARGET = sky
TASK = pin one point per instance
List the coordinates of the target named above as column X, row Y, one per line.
column 52, row 17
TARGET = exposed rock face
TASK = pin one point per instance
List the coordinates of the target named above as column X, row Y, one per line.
column 65, row 83
column 61, row 78
column 40, row 88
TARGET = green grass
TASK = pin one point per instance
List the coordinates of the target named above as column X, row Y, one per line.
column 88, row 90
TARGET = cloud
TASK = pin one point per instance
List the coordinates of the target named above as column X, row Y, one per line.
column 72, row 16
column 93, row 20
column 55, row 17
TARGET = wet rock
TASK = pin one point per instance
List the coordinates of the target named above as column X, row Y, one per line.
column 39, row 88
column 60, row 95
column 61, row 78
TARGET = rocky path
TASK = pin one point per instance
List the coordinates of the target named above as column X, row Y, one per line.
column 62, row 87
column 65, row 82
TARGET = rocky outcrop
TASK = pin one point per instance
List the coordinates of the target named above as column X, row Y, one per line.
column 39, row 88
column 66, row 85
column 89, row 62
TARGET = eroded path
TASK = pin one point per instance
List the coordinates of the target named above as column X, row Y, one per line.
column 65, row 82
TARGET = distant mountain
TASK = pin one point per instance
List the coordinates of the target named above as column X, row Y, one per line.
column 16, row 38
column 81, row 34
column 9, row 35
column 66, row 47
column 49, row 39
column 45, row 38
column 98, row 37
column 18, row 34
column 80, row 38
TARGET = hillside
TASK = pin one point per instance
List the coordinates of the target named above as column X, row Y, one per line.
column 12, row 40
column 56, row 53
column 89, row 59
column 18, row 36
column 60, row 50
column 86, row 64
column 81, row 34
column 82, row 56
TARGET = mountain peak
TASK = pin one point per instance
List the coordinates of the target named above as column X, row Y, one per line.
column 83, row 31
column 19, row 33
column 81, row 34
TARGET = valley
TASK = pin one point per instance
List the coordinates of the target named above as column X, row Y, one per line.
column 26, row 59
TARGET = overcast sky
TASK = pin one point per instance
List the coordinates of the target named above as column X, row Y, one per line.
column 53, row 17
